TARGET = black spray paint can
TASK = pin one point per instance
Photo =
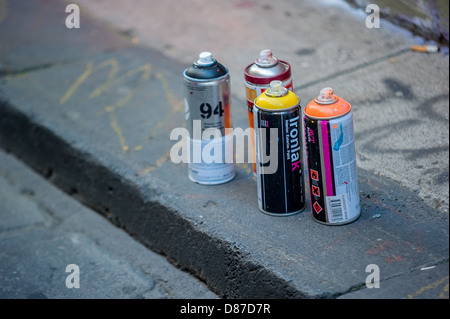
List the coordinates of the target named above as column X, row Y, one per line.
column 278, row 141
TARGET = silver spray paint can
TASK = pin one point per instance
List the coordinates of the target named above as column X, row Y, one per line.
column 208, row 120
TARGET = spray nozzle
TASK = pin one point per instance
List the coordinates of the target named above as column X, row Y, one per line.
column 205, row 59
column 326, row 96
column 276, row 89
column 266, row 59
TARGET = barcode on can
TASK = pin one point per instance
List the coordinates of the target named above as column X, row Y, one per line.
column 337, row 209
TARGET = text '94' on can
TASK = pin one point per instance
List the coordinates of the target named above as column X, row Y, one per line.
column 330, row 148
column 258, row 76
column 207, row 106
column 279, row 164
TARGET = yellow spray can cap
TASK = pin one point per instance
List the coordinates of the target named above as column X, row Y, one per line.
column 276, row 97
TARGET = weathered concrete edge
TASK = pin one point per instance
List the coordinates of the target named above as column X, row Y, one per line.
column 224, row 266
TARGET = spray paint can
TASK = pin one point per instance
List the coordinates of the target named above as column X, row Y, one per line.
column 258, row 76
column 279, row 162
column 330, row 148
column 207, row 107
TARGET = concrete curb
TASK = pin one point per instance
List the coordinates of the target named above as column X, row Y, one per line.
column 216, row 260
column 108, row 146
column 225, row 261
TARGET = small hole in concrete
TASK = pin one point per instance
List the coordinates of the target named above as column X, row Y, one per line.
column 48, row 172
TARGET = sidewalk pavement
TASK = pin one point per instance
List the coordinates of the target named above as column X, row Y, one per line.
column 43, row 231
column 92, row 111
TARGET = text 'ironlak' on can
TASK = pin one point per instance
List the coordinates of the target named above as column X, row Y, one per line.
column 279, row 164
column 207, row 106
column 330, row 149
column 258, row 76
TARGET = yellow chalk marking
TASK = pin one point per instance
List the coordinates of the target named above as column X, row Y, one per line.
column 116, row 128
column 159, row 162
column 112, row 73
column 120, row 103
column 145, row 69
column 138, row 148
column 444, row 293
column 77, row 83
column 111, row 80
column 90, row 68
column 428, row 287
column 175, row 104
column 162, row 159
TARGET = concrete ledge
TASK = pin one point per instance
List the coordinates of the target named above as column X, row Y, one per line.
column 221, row 262
column 43, row 230
column 217, row 232
column 98, row 127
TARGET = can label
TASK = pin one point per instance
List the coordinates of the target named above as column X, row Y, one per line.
column 209, row 103
column 211, row 162
column 207, row 112
column 332, row 171
column 280, row 175
column 252, row 92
